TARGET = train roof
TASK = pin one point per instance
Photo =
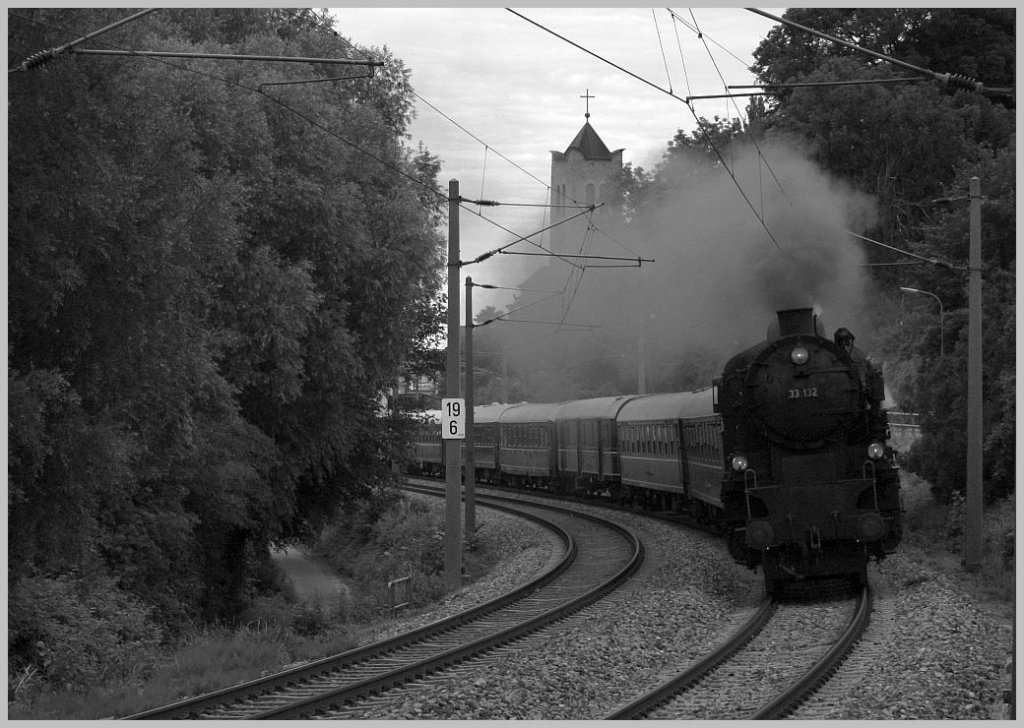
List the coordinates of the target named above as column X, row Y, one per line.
column 673, row 406
column 489, row 412
column 530, row 412
column 592, row 409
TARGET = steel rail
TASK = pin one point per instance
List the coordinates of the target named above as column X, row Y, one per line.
column 783, row 704
column 824, row 668
column 194, row 706
column 325, row 701
column 696, row 672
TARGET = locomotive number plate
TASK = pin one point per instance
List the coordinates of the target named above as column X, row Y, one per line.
column 805, row 393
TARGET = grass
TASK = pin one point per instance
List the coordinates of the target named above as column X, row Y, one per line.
column 933, row 536
column 279, row 631
column 210, row 660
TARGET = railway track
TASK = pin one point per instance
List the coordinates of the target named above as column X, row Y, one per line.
column 776, row 659
column 599, row 555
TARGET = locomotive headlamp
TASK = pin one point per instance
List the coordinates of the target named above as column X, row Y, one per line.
column 739, row 463
column 876, row 451
column 799, row 355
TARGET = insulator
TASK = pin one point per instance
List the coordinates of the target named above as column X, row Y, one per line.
column 960, row 81
column 37, row 59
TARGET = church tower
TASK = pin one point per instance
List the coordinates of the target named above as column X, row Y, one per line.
column 584, row 174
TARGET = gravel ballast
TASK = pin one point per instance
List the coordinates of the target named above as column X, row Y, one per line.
column 945, row 659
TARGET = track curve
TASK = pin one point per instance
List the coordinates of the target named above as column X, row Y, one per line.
column 599, row 555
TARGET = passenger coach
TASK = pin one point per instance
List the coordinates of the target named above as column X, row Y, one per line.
column 588, row 443
column 486, row 457
column 671, row 451
column 526, row 437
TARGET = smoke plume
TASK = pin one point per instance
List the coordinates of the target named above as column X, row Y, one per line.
column 725, row 263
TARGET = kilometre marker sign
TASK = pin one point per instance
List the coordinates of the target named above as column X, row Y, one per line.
column 453, row 419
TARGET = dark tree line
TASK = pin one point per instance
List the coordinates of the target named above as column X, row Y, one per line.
column 210, row 289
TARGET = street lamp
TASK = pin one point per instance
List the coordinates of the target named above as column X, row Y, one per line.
column 926, row 293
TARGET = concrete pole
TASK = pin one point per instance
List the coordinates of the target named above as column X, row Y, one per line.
column 453, row 476
column 470, row 473
column 973, row 528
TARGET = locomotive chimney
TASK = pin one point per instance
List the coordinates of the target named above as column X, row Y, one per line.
column 797, row 321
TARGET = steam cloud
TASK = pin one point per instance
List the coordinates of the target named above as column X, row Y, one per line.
column 718, row 278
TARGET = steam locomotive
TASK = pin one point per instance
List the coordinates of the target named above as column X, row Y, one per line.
column 786, row 454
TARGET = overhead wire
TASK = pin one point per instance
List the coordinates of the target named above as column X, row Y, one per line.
column 479, row 140
column 547, row 187
column 955, row 80
column 548, row 206
column 686, row 101
column 699, row 34
column 483, row 173
column 234, row 83
column 752, row 137
column 682, row 58
column 661, row 45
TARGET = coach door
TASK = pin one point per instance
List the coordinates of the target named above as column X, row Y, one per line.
column 684, row 436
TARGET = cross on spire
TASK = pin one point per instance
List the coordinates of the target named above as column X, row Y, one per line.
column 588, row 97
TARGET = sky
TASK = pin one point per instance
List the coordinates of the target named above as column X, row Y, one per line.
column 497, row 94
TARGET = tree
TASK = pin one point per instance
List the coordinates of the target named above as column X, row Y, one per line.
column 210, row 288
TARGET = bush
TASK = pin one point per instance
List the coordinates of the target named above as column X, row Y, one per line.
column 74, row 634
column 404, row 539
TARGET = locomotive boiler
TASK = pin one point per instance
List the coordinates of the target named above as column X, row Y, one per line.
column 809, row 488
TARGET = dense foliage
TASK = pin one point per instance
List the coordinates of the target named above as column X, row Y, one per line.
column 212, row 284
